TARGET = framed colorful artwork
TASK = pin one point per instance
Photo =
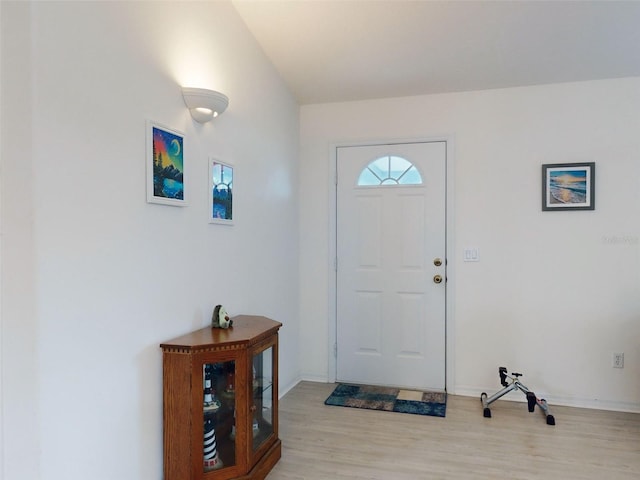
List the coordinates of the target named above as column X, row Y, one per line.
column 220, row 192
column 165, row 165
column 568, row 186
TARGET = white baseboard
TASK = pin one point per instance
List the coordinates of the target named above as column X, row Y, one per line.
column 284, row 389
column 315, row 378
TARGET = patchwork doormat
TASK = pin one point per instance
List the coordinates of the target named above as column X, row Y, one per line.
column 389, row 399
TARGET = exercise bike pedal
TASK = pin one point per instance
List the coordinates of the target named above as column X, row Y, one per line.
column 483, row 399
column 531, row 401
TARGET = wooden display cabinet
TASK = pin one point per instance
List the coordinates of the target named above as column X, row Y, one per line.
column 220, row 393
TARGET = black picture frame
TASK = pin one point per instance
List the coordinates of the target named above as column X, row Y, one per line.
column 568, row 186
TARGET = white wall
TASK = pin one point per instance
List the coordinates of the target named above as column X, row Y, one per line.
column 18, row 335
column 554, row 293
column 94, row 277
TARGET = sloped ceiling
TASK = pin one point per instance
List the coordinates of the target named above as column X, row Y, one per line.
column 330, row 51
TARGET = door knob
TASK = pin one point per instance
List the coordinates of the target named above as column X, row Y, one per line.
column 437, row 279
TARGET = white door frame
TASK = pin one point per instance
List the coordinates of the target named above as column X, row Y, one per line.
column 450, row 244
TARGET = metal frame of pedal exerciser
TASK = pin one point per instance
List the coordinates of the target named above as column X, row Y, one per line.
column 515, row 384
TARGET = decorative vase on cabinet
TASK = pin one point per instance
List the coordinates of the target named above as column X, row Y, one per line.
column 220, row 394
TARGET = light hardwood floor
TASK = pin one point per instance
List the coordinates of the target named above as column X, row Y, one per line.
column 322, row 442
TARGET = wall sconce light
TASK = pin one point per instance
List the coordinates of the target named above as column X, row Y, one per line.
column 204, row 104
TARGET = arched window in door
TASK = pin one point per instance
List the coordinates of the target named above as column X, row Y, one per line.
column 389, row 170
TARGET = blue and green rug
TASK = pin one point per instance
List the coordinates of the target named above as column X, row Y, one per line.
column 389, row 399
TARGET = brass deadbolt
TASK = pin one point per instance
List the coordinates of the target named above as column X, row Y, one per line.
column 437, row 262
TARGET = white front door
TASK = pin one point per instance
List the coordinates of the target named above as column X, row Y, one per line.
column 391, row 237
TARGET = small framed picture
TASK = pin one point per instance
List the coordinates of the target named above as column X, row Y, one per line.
column 220, row 192
column 165, row 165
column 568, row 186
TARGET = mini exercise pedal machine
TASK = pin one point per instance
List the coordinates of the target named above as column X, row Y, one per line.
column 515, row 384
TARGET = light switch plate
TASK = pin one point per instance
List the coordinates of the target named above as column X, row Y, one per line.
column 471, row 254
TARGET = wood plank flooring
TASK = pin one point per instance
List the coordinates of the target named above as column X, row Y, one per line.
column 322, row 442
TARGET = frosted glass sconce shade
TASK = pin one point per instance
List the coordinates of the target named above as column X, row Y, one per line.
column 204, row 104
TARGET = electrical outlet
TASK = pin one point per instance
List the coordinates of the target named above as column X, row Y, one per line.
column 618, row 360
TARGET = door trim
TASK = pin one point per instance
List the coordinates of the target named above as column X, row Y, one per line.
column 450, row 246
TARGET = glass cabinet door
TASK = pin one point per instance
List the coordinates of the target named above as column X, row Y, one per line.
column 219, row 407
column 263, row 397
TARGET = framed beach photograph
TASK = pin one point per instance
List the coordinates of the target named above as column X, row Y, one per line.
column 220, row 192
column 568, row 186
column 165, row 165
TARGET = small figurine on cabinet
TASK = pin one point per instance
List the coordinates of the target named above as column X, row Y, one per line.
column 220, row 318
